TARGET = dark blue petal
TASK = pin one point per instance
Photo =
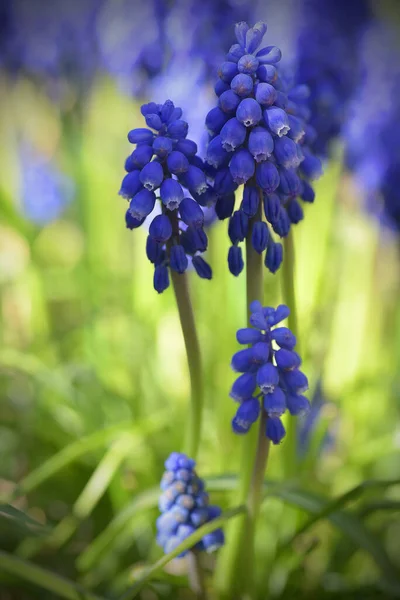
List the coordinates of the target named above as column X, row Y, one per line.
column 160, row 228
column 284, row 338
column 223, row 183
column 247, row 414
column 195, row 180
column 240, row 32
column 295, row 381
column 295, row 212
column 214, row 540
column 151, row 175
column 131, row 222
column 142, row 204
column 242, row 166
column 242, row 85
column 191, row 213
column 238, row 226
column 141, row 156
column 275, row 403
column 187, row 147
column 251, row 200
column 202, row 268
column 178, row 260
column 130, row 185
column 177, row 162
column 140, row 135
column 286, row 152
column 178, row 129
column 215, row 120
column 273, row 256
column 220, row 87
column 297, row 405
column 162, row 146
column 260, row 236
column 248, row 64
column 216, row 155
column 161, row 278
column 154, row 251
column 224, row 206
column 171, row 193
column 265, row 94
column 267, row 378
column 249, row 112
column 269, row 55
column 227, row 71
column 235, row 260
column 233, row 134
column 267, row 177
column 267, row 73
column 229, row 101
column 272, row 207
column 287, row 359
column 154, row 121
column 260, row 144
column 254, row 36
column 248, row 335
column 244, row 386
column 277, row 120
column 275, row 430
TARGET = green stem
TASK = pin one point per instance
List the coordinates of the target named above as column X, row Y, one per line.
column 185, row 309
column 288, row 271
column 234, row 570
column 196, row 576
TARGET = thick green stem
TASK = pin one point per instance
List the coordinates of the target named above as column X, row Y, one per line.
column 234, row 574
column 289, row 295
column 185, row 309
column 188, row 324
column 196, row 576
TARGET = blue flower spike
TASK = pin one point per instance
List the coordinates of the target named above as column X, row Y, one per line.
column 184, row 506
column 258, row 134
column 165, row 169
column 270, row 379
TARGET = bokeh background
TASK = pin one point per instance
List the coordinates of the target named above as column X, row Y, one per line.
column 93, row 376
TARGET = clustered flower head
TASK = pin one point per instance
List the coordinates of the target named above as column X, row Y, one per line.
column 255, row 134
column 184, row 505
column 165, row 166
column 271, row 366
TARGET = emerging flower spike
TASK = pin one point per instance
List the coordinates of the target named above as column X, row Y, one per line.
column 270, row 378
column 259, row 138
column 165, row 167
column 184, row 506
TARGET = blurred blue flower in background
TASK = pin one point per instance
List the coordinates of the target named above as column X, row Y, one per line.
column 184, row 505
column 372, row 132
column 53, row 41
column 45, row 192
column 327, row 61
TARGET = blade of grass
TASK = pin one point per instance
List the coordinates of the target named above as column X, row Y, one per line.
column 43, row 578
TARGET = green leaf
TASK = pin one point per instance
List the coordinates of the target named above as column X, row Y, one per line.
column 22, row 520
column 322, row 508
column 185, row 545
column 45, row 579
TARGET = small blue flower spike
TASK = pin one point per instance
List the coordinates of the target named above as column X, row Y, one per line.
column 164, row 169
column 259, row 134
column 184, row 506
column 270, row 378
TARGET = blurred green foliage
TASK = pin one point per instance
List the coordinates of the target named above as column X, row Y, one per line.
column 94, row 382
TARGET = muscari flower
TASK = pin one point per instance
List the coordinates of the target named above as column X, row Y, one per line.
column 270, row 379
column 259, row 139
column 184, row 506
column 165, row 166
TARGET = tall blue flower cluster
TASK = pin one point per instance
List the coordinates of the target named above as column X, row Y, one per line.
column 184, row 505
column 255, row 134
column 270, row 378
column 165, row 166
